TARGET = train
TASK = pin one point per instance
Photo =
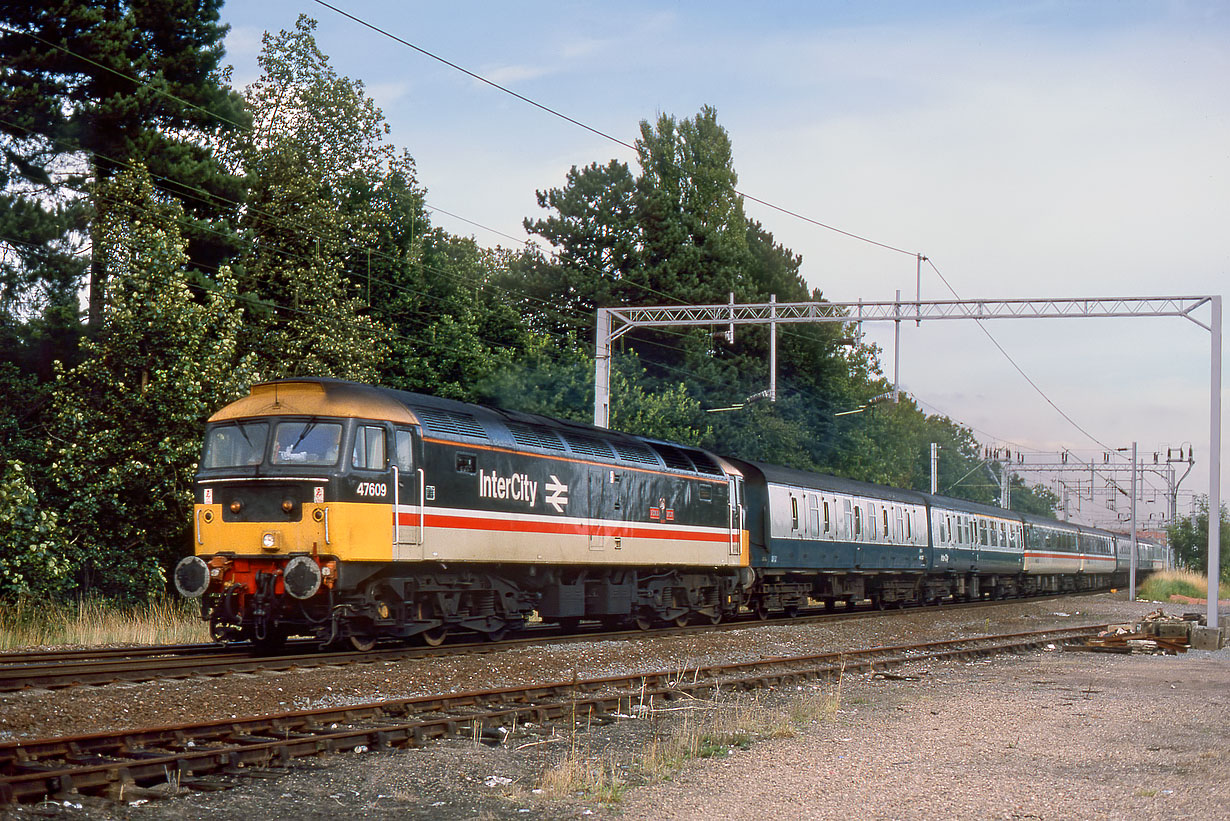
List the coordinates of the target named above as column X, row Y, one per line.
column 351, row 514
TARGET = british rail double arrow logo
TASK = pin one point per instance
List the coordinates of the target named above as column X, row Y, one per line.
column 557, row 494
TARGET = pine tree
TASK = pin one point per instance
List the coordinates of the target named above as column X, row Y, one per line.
column 89, row 89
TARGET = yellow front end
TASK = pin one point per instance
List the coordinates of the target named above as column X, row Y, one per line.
column 349, row 531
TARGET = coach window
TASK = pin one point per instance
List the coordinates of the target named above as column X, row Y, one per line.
column 813, row 509
column 858, row 521
column 827, row 523
column 794, row 513
column 368, row 448
column 1003, row 535
column 871, row 523
column 888, row 534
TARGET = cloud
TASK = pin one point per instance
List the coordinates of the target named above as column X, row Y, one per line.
column 510, row 75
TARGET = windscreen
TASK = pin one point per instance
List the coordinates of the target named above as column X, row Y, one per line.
column 310, row 442
column 235, row 445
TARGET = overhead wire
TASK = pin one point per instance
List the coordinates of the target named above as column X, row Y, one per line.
column 1018, row 368
column 586, row 126
column 745, row 195
column 580, row 124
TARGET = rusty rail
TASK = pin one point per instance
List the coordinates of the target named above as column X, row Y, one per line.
column 107, row 763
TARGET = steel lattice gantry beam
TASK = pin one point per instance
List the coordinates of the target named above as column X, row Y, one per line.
column 615, row 322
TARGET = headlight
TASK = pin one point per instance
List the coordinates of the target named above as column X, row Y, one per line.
column 269, row 541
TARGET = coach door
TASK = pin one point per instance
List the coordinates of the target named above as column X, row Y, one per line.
column 408, row 504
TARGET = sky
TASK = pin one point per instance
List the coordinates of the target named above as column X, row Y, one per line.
column 1027, row 149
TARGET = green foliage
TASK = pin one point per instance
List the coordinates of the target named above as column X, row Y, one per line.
column 1037, row 499
column 126, row 422
column 33, row 557
column 676, row 232
column 314, row 134
column 1189, row 536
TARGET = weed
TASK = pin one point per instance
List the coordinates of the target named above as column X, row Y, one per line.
column 1161, row 586
column 577, row 774
column 32, row 623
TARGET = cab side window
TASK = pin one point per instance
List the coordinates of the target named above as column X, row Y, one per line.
column 368, row 448
column 403, row 450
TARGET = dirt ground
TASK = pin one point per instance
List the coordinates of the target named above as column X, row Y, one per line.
column 1045, row 735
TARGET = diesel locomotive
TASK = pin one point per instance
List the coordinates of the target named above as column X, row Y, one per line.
column 352, row 513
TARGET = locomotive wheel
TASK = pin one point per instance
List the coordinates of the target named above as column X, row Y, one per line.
column 762, row 611
column 362, row 643
column 792, row 611
column 644, row 618
column 712, row 618
column 498, row 634
column 681, row 621
column 435, row 636
column 830, row 604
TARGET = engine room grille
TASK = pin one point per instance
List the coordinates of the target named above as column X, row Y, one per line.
column 588, row 445
column 630, row 452
column 672, row 456
column 533, row 438
column 703, row 463
column 445, row 421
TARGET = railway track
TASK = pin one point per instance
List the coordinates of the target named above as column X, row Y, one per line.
column 204, row 755
column 68, row 668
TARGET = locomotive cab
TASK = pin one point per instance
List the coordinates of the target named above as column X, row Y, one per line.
column 288, row 477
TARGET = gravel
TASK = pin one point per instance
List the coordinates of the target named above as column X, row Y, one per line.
column 1046, row 735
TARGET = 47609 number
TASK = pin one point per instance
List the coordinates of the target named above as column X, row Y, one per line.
column 372, row 489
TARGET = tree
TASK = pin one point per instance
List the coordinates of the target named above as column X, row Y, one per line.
column 315, row 137
column 1189, row 536
column 1037, row 499
column 126, row 422
column 91, row 88
column 676, row 232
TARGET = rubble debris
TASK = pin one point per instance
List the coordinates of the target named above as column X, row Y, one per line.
column 1156, row 633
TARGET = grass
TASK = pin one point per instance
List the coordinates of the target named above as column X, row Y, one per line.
column 696, row 730
column 1161, row 586
column 30, row 623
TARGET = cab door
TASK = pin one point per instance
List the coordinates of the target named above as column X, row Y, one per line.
column 409, row 506
column 738, row 522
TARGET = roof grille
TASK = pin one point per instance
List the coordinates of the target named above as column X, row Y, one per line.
column 632, row 452
column 445, row 421
column 703, row 463
column 534, row 438
column 588, row 445
column 672, row 456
